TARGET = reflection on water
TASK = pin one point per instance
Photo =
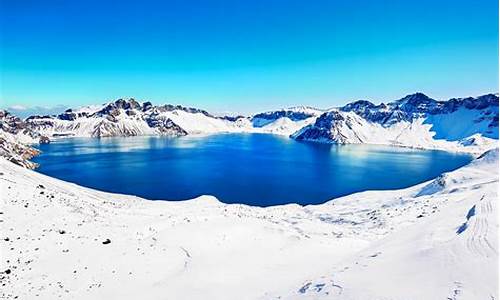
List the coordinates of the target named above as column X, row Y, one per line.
column 254, row 169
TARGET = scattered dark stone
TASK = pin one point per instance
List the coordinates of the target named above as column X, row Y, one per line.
column 44, row 140
column 420, row 216
column 7, row 271
column 41, row 193
column 62, row 231
column 6, row 239
column 40, row 186
column 107, row 241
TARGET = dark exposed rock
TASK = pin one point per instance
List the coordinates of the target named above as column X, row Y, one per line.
column 68, row 115
column 43, row 140
column 147, row 106
column 164, row 125
column 416, row 105
column 274, row 115
column 107, row 241
column 232, row 118
column 326, row 127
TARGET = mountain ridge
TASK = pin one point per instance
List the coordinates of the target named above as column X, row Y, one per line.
column 467, row 124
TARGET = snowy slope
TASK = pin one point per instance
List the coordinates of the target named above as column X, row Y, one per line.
column 55, row 243
column 415, row 121
column 465, row 124
column 130, row 118
column 451, row 254
column 119, row 118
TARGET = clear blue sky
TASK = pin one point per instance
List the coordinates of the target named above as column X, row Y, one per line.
column 245, row 56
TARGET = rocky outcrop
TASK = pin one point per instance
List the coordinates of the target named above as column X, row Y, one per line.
column 21, row 129
column 164, row 125
column 294, row 114
column 332, row 126
column 17, row 152
column 15, row 140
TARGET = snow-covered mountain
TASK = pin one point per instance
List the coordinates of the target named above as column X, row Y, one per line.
column 119, row 118
column 284, row 121
column 464, row 124
column 129, row 118
column 415, row 121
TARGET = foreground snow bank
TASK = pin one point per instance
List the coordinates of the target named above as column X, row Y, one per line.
column 60, row 240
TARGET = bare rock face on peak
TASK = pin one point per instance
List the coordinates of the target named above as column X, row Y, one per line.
column 117, row 118
column 415, row 120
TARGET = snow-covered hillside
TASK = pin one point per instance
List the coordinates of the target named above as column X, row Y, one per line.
column 119, row 118
column 450, row 251
column 436, row 240
column 129, row 118
column 467, row 124
column 285, row 121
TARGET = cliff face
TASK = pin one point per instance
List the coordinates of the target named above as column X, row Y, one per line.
column 119, row 118
column 415, row 120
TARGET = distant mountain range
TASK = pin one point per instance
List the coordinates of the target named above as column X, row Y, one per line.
column 469, row 124
column 130, row 118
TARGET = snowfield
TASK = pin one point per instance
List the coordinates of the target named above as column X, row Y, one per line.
column 436, row 240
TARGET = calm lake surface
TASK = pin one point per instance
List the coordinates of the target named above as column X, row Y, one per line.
column 255, row 169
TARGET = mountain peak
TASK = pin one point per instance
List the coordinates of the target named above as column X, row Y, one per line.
column 415, row 99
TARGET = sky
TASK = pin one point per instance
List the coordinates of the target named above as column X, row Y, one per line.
column 245, row 56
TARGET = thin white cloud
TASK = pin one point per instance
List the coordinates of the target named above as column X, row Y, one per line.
column 17, row 107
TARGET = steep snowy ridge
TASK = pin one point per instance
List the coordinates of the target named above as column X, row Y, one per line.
column 119, row 118
column 428, row 243
column 464, row 124
column 130, row 118
column 467, row 124
column 299, row 113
